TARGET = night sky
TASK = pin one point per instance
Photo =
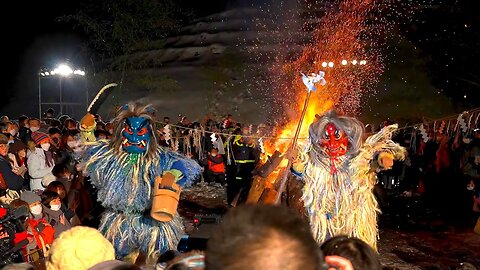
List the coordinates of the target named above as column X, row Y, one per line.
column 448, row 34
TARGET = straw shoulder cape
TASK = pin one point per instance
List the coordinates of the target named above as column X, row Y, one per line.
column 343, row 202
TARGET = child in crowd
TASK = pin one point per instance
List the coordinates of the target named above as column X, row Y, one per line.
column 215, row 167
column 40, row 160
column 40, row 233
column 63, row 175
column 53, row 210
column 58, row 188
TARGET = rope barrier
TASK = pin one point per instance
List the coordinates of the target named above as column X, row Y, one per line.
column 228, row 134
column 447, row 118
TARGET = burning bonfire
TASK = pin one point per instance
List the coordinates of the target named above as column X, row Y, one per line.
column 329, row 175
column 343, row 48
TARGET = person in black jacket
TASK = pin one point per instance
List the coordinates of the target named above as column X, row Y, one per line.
column 8, row 179
column 245, row 156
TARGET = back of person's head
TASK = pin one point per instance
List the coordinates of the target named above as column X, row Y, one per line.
column 115, row 265
column 358, row 252
column 192, row 260
column 262, row 237
column 54, row 130
column 22, row 119
column 79, row 248
column 58, row 187
column 54, row 123
column 59, row 170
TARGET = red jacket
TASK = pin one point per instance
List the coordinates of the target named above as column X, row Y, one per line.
column 47, row 234
column 215, row 164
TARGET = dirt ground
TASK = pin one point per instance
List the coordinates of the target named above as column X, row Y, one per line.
column 408, row 238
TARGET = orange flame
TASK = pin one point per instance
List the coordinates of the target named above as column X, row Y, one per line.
column 341, row 35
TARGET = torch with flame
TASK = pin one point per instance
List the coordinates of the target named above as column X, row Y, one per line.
column 279, row 176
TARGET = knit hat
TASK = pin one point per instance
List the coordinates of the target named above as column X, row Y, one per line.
column 40, row 137
column 30, row 197
column 79, row 248
column 3, row 139
column 47, row 179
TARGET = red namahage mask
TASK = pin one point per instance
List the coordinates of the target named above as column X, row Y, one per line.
column 334, row 141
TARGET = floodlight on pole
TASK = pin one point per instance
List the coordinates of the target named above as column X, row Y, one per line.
column 62, row 70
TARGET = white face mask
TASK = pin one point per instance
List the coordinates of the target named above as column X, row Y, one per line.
column 36, row 210
column 13, row 132
column 10, row 142
column 71, row 144
column 45, row 146
column 33, row 129
column 55, row 207
column 214, row 155
column 470, row 186
column 110, row 131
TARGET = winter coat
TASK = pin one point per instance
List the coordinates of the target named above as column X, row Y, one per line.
column 38, row 168
column 41, row 230
column 53, row 217
column 11, row 180
column 215, row 164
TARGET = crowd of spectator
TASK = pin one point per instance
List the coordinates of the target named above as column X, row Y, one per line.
column 39, row 170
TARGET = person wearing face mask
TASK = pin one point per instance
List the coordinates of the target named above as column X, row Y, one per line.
column 10, row 129
column 40, row 160
column 34, row 125
column 39, row 231
column 66, row 150
column 4, row 130
column 52, row 206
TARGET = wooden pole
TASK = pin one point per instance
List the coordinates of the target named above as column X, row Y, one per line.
column 284, row 174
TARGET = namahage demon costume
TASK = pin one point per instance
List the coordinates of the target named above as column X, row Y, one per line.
column 333, row 179
column 124, row 170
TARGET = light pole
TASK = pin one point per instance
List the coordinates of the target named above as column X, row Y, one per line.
column 64, row 71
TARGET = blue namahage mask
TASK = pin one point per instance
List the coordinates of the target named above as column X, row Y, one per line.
column 136, row 135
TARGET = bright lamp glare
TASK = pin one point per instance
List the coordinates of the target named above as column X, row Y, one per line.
column 52, row 72
column 354, row 62
column 330, row 64
column 63, row 70
column 344, row 62
column 79, row 72
column 324, row 64
column 47, row 73
column 363, row 62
